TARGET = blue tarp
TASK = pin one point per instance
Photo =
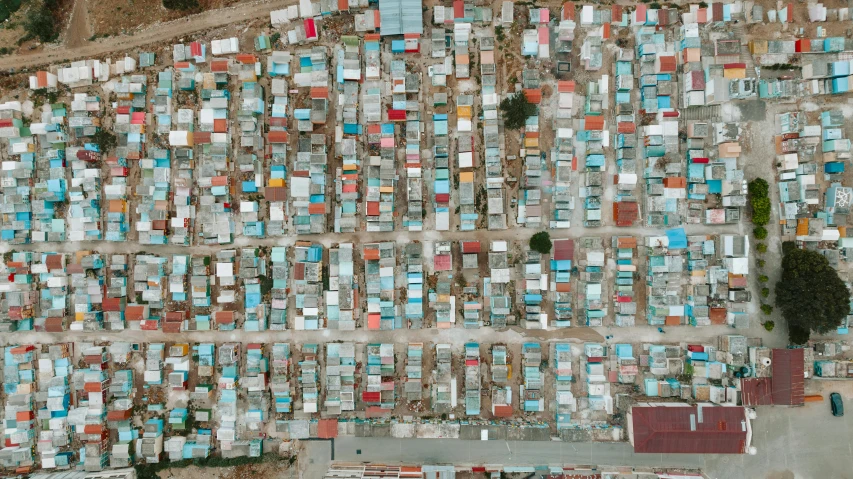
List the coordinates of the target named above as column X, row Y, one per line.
column 677, row 238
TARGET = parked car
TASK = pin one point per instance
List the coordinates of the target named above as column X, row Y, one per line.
column 836, row 404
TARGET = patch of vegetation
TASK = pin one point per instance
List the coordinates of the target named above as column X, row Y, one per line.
column 7, row 8
column 766, row 309
column 763, row 279
column 769, row 325
column 761, row 248
column 499, row 33
column 761, row 263
column 759, row 232
column 105, row 140
column 797, row 335
column 759, row 199
column 42, row 96
column 765, row 292
column 541, row 242
column 516, row 109
column 782, row 66
column 151, row 471
column 40, row 24
column 181, row 4
column 810, row 293
column 5, row 50
column 274, row 38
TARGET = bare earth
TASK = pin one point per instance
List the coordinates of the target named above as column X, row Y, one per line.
column 156, row 33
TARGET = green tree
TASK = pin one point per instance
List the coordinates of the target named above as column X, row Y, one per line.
column 769, row 325
column 516, row 109
column 810, row 294
column 759, row 199
column 797, row 335
column 41, row 25
column 105, row 140
column 541, row 242
column 759, row 232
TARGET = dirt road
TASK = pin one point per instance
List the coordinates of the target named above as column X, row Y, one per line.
column 78, row 30
column 155, row 33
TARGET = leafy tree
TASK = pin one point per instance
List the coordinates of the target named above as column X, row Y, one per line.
column 761, row 247
column 810, row 294
column 40, row 24
column 759, row 232
column 541, row 242
column 769, row 325
column 516, row 109
column 105, row 140
column 797, row 335
column 765, row 292
column 766, row 309
column 763, row 278
column 760, row 200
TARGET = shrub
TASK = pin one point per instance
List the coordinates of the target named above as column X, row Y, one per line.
column 40, row 24
column 761, row 263
column 759, row 232
column 180, row 4
column 765, row 292
column 769, row 325
column 763, row 278
column 761, row 247
column 766, row 309
column 541, row 242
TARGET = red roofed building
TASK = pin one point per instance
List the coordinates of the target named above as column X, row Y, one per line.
column 564, row 249
column 441, row 262
column 689, row 429
column 788, row 379
column 470, row 247
column 327, row 428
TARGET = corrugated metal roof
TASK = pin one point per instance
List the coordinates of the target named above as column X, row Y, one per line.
column 788, row 385
column 689, row 430
column 400, row 17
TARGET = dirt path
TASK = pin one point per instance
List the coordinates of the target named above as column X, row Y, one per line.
column 155, row 33
column 78, row 30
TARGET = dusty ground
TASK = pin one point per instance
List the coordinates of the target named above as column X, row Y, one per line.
column 262, row 470
column 162, row 30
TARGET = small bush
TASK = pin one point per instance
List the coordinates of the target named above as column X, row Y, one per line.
column 759, row 232
column 766, row 309
column 761, row 248
column 761, row 263
column 769, row 325
column 763, row 278
column 180, row 4
column 765, row 292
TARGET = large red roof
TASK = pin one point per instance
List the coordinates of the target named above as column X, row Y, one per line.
column 689, row 430
column 788, row 385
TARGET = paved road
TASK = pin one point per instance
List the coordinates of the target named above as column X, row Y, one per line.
column 153, row 34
